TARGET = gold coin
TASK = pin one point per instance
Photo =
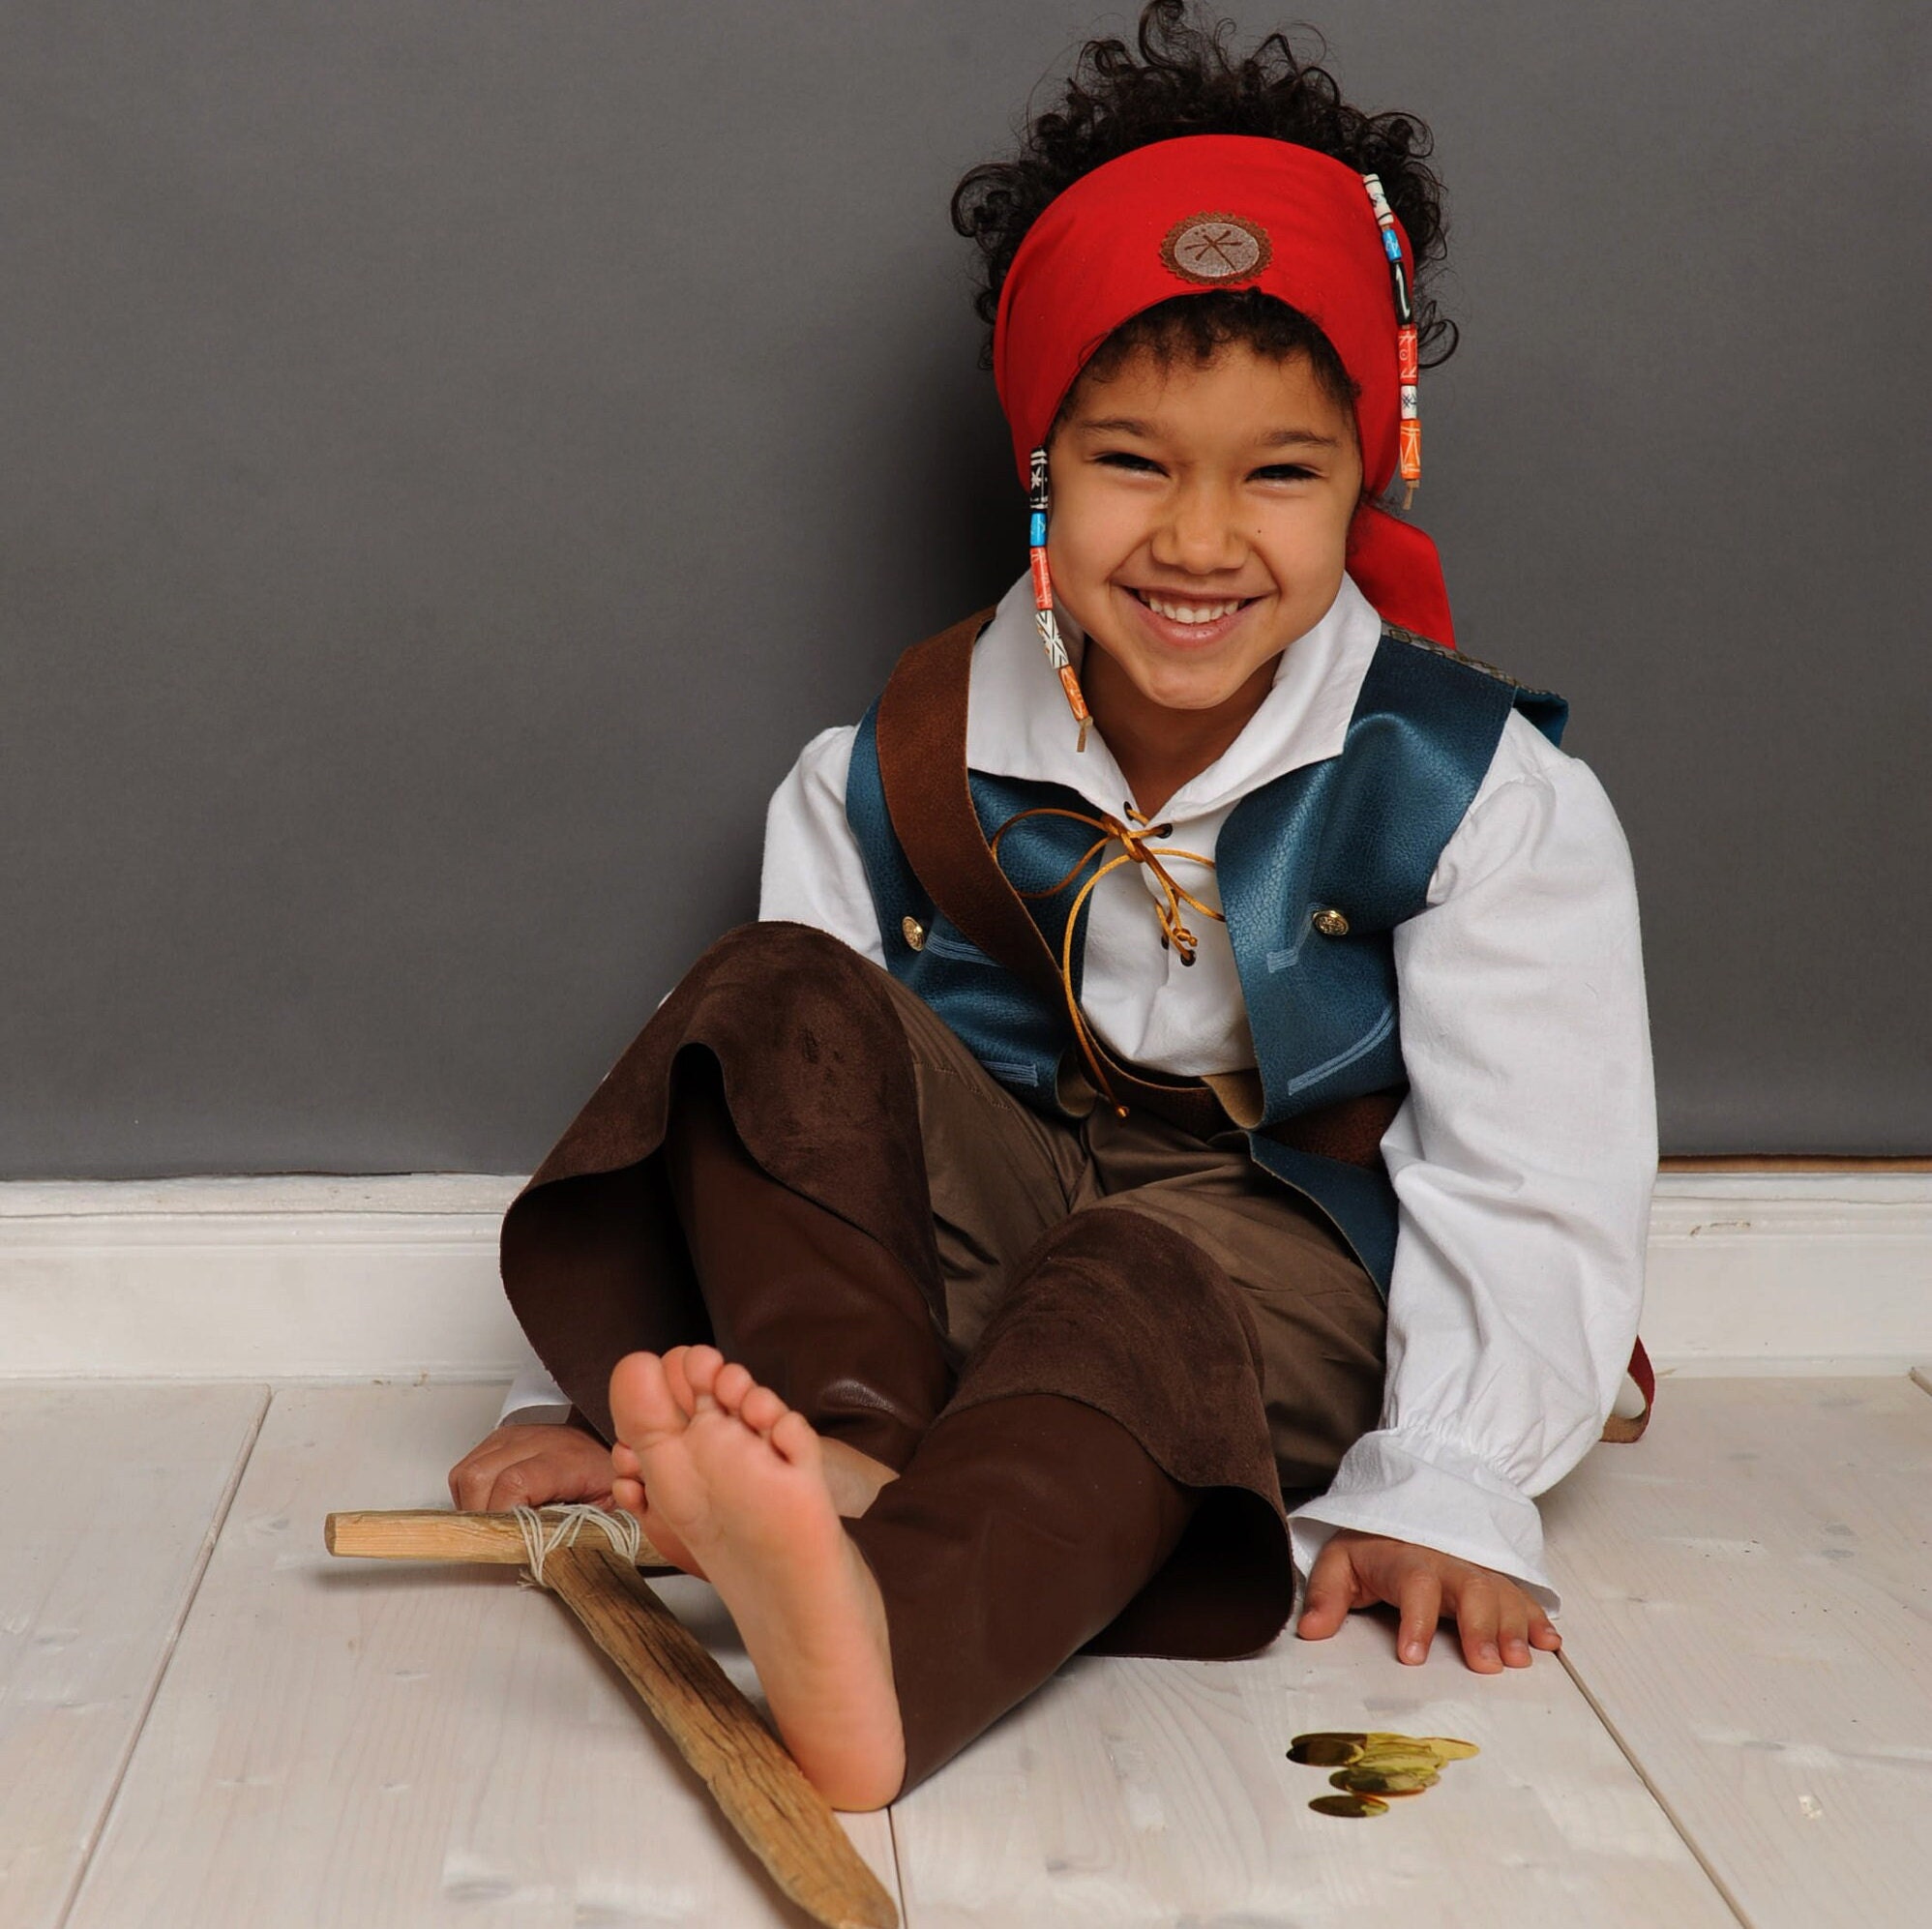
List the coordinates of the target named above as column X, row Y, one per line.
column 1351, row 1805
column 1324, row 1751
column 1363, row 1781
column 1396, row 1761
column 1332, row 1734
column 1449, row 1749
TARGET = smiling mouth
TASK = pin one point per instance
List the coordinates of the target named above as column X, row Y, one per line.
column 1203, row 616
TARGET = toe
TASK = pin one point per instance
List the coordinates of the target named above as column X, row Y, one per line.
column 761, row 1408
column 641, row 1407
column 680, row 1382
column 794, row 1437
column 702, row 1365
column 734, row 1380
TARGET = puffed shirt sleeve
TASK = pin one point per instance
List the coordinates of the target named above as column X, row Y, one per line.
column 1523, row 1160
column 813, row 871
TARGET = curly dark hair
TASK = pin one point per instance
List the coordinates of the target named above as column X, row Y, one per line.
column 1180, row 78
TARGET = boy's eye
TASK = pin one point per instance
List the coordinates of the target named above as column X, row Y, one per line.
column 1125, row 459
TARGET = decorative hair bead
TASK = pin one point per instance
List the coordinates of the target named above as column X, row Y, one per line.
column 1043, row 593
column 1410, row 446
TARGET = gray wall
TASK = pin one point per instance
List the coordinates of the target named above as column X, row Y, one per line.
column 452, row 456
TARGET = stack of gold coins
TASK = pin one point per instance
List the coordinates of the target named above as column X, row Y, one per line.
column 1376, row 1768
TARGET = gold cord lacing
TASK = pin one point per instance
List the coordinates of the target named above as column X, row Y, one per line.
column 1132, row 837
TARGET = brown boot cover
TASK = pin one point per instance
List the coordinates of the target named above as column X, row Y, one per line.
column 1101, row 1481
column 1019, row 1528
column 818, row 1084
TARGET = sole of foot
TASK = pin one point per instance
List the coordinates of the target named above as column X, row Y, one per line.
column 852, row 1478
column 739, row 1480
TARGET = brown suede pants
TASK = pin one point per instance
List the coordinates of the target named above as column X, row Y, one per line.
column 1103, row 1355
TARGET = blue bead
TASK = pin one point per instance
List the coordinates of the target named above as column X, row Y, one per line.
column 1036, row 535
column 1391, row 247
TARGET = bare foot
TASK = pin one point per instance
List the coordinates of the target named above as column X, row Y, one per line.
column 852, row 1478
column 741, row 1482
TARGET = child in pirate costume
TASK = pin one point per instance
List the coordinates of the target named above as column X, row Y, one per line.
column 1183, row 1118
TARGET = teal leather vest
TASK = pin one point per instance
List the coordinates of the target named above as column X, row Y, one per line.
column 1358, row 833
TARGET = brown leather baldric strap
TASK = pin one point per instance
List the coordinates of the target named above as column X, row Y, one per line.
column 922, row 766
column 922, row 737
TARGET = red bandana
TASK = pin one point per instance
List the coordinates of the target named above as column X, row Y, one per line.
column 1208, row 211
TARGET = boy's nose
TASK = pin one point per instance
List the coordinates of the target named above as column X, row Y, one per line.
column 1201, row 535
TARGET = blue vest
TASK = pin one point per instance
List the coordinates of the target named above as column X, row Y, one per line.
column 1358, row 833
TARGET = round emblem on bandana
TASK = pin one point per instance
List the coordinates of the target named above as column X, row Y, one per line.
column 1211, row 249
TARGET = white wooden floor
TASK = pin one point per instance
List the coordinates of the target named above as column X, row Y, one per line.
column 206, row 1721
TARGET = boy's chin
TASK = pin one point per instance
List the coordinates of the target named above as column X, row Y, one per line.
column 1190, row 695
column 1192, row 686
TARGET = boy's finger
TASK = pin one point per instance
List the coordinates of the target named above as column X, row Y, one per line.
column 1331, row 1594
column 472, row 1476
column 564, row 1472
column 1512, row 1630
column 1421, row 1610
column 1476, row 1610
column 525, row 1483
column 1542, row 1634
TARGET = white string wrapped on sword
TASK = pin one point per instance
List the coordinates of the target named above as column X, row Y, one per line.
column 544, row 1532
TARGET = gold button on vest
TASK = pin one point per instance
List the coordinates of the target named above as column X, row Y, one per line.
column 1331, row 924
column 914, row 932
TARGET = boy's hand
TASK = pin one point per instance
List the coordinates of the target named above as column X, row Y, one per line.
column 531, row 1467
column 1498, row 1622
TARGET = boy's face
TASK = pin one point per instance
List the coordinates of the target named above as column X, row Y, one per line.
column 1222, row 493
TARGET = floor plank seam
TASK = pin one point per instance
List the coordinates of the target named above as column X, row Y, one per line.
column 1657, row 1794
column 217, row 1522
column 898, row 1866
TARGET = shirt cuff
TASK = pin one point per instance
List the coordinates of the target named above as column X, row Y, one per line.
column 533, row 1396
column 1432, row 1491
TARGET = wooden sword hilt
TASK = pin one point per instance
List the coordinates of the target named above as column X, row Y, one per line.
column 434, row 1534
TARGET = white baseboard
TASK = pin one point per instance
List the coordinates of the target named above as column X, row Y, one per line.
column 296, row 1278
column 1789, row 1272
column 311, row 1278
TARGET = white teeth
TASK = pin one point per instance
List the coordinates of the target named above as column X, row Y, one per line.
column 1190, row 612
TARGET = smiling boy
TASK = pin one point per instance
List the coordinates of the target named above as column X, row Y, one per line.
column 1127, row 1166
column 1202, row 518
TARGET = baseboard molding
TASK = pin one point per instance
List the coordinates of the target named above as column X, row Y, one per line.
column 288, row 1278
column 1785, row 1272
column 314, row 1278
